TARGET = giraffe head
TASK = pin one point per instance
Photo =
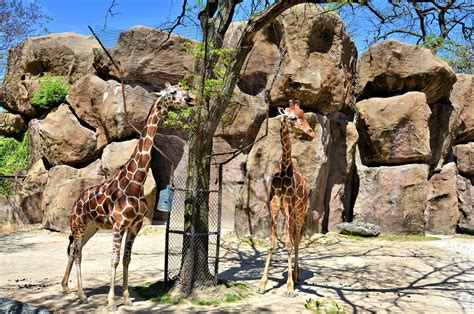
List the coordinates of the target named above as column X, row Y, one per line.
column 293, row 117
column 175, row 96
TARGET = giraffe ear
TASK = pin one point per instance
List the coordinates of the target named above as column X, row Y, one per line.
column 167, row 84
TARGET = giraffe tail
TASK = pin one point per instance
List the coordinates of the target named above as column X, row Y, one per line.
column 70, row 246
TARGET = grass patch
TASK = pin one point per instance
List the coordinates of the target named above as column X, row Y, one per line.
column 159, row 291
column 253, row 242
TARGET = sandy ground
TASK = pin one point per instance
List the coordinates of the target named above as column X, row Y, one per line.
column 363, row 276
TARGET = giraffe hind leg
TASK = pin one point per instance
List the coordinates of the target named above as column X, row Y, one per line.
column 70, row 251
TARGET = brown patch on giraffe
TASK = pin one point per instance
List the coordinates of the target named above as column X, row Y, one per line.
column 133, row 188
column 139, row 176
column 148, row 144
column 132, row 166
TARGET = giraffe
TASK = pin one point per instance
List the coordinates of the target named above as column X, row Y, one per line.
column 288, row 193
column 118, row 203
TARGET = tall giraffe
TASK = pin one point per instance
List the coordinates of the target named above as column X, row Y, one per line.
column 289, row 194
column 119, row 203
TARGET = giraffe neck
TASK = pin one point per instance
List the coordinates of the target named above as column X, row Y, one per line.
column 286, row 145
column 140, row 160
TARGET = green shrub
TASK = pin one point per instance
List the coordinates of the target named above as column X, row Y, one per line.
column 52, row 92
column 13, row 159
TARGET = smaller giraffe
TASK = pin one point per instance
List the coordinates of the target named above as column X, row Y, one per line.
column 118, row 203
column 289, row 194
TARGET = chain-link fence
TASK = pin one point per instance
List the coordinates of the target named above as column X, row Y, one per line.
column 192, row 238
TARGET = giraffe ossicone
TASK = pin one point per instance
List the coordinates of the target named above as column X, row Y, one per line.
column 288, row 194
column 119, row 203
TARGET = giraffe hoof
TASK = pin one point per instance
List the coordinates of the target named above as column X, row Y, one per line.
column 111, row 307
column 83, row 301
column 261, row 290
column 290, row 294
column 65, row 290
column 128, row 302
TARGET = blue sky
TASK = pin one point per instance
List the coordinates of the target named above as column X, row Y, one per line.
column 75, row 16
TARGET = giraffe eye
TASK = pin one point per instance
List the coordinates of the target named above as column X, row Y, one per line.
column 293, row 119
column 173, row 92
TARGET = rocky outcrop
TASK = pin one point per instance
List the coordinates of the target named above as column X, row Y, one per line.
column 74, row 145
column 86, row 98
column 64, row 186
column 361, row 229
column 465, row 159
column 67, row 54
column 251, row 213
column 462, row 98
column 442, row 213
column 242, row 118
column 391, row 68
column 394, row 130
column 344, row 139
column 393, row 197
column 11, row 124
column 453, row 122
column 465, row 191
column 31, row 193
column 112, row 111
column 319, row 60
column 115, row 155
column 145, row 59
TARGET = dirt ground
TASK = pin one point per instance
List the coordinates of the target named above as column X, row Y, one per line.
column 363, row 276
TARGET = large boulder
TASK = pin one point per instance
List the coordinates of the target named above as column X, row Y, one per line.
column 146, row 59
column 233, row 178
column 341, row 159
column 35, row 152
column 64, row 186
column 465, row 159
column 393, row 197
column 391, row 68
column 64, row 141
column 112, row 111
column 462, row 98
column 67, row 54
column 453, row 122
column 115, row 155
column 11, row 124
column 442, row 213
column 31, row 192
column 86, row 98
column 319, row 61
column 262, row 61
column 242, row 119
column 465, row 189
column 394, row 130
column 311, row 158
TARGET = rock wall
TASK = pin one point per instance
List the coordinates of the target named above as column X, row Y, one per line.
column 394, row 141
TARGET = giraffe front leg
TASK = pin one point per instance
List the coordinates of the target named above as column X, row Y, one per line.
column 274, row 214
column 290, row 285
column 127, row 254
column 118, row 233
